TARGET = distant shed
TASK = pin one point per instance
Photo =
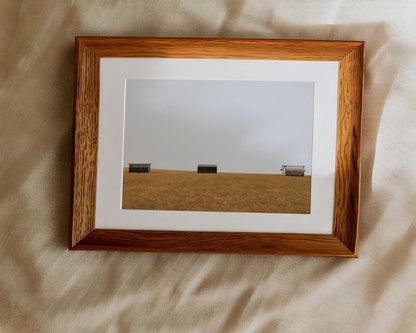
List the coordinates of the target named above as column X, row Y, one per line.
column 139, row 167
column 207, row 168
column 293, row 170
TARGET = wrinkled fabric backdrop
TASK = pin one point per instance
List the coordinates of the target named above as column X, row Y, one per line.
column 46, row 288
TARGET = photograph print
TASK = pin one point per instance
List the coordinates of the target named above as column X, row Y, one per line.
column 218, row 145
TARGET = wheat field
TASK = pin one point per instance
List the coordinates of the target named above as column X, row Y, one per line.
column 221, row 192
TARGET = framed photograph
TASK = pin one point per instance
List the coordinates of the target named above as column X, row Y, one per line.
column 217, row 145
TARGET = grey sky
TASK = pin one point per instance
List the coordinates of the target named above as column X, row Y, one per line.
column 242, row 126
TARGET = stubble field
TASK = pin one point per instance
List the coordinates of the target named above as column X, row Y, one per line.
column 221, row 192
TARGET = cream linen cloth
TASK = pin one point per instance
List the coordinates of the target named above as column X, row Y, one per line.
column 45, row 288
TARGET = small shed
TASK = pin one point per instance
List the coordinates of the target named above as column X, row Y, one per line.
column 139, row 167
column 293, row 170
column 207, row 168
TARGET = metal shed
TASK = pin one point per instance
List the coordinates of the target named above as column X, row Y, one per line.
column 293, row 170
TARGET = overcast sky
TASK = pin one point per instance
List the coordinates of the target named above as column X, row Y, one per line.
column 241, row 126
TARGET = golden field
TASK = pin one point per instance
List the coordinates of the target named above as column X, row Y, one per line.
column 221, row 192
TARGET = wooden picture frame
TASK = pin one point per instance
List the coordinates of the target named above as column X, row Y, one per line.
column 83, row 235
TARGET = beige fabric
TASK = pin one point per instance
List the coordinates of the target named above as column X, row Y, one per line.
column 45, row 288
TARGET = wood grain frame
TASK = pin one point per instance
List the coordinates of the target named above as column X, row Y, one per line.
column 343, row 241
